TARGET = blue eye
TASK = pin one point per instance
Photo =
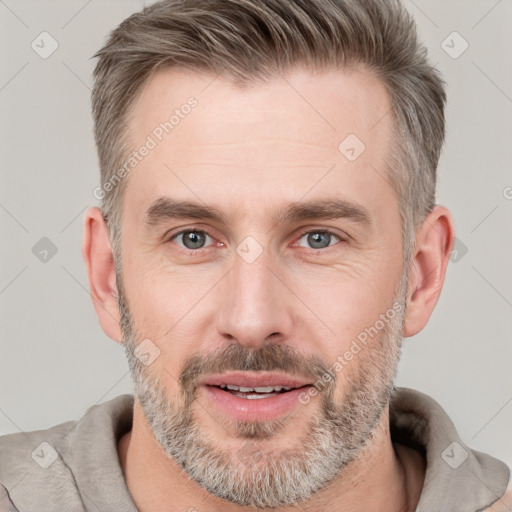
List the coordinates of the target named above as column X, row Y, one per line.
column 192, row 239
column 196, row 239
column 319, row 239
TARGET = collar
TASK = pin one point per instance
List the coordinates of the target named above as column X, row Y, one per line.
column 457, row 477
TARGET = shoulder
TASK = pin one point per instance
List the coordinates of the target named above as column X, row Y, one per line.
column 32, row 471
column 39, row 467
column 457, row 477
column 504, row 503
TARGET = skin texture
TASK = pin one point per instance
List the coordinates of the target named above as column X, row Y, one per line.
column 247, row 153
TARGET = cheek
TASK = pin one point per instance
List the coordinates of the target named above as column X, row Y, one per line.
column 161, row 293
column 173, row 308
column 347, row 299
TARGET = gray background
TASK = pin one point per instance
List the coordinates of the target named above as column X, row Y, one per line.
column 56, row 361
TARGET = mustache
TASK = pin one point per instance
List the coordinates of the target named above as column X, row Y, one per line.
column 235, row 357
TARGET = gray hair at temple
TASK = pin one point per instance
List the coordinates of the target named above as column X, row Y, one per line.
column 250, row 41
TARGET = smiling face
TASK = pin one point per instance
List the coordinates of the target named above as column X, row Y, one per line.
column 258, row 254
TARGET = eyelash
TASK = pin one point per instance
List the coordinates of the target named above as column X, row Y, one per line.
column 202, row 231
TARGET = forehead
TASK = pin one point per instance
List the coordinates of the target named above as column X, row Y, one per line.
column 233, row 146
column 332, row 101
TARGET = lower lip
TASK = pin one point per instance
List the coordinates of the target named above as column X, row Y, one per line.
column 260, row 409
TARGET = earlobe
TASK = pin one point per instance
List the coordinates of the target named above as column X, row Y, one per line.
column 427, row 271
column 99, row 263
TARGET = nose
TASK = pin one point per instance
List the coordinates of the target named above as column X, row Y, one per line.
column 255, row 307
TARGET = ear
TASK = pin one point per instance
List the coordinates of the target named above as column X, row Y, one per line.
column 99, row 262
column 434, row 244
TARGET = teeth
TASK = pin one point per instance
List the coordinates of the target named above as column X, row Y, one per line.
column 256, row 397
column 266, row 389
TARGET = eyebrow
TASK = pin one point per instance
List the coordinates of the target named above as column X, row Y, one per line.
column 167, row 208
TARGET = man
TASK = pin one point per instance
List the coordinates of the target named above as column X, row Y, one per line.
column 268, row 234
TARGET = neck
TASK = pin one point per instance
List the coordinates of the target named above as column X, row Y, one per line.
column 385, row 477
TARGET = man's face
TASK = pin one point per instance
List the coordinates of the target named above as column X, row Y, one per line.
column 255, row 298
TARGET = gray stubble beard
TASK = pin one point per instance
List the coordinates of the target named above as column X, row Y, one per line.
column 255, row 476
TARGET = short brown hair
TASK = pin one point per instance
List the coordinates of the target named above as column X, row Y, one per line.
column 253, row 40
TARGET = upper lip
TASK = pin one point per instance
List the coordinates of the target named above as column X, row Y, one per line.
column 254, row 379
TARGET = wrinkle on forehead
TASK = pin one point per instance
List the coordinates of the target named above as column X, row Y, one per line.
column 268, row 143
column 309, row 110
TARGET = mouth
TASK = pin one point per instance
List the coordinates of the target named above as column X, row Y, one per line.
column 254, row 393
column 254, row 396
